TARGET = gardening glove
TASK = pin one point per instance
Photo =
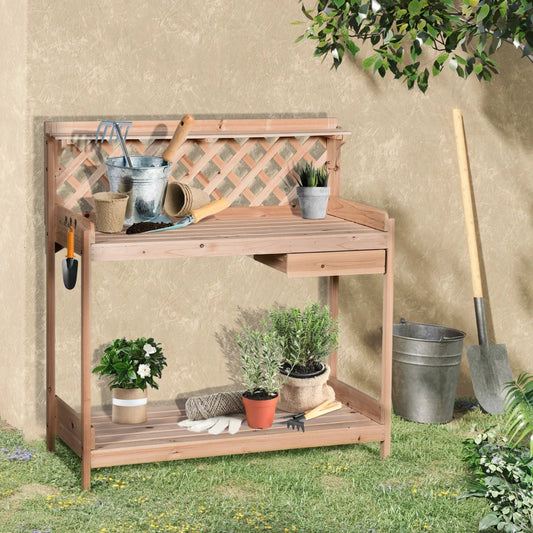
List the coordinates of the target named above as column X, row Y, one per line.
column 214, row 425
column 232, row 423
column 197, row 426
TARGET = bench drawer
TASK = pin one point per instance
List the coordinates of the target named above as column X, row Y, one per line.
column 326, row 263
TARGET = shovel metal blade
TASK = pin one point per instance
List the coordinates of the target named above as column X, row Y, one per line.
column 490, row 372
column 70, row 272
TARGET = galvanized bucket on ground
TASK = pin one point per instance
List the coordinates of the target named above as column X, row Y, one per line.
column 425, row 371
column 145, row 182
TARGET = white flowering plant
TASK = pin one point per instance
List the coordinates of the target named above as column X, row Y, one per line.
column 132, row 364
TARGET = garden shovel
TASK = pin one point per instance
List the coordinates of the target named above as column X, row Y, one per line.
column 70, row 264
column 489, row 364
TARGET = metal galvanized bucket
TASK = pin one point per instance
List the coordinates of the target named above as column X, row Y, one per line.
column 425, row 371
column 145, row 183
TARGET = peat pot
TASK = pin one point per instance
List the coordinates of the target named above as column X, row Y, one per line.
column 303, row 392
column 260, row 413
column 110, row 209
column 145, row 183
column 425, row 371
column 129, row 406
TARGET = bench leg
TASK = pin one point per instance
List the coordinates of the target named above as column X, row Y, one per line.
column 386, row 358
column 85, row 363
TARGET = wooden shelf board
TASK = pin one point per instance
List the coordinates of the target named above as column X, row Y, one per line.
column 161, row 439
column 240, row 236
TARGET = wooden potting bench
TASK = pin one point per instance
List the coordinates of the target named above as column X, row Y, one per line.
column 250, row 162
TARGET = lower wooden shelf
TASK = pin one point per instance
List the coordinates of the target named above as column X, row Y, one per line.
column 161, row 439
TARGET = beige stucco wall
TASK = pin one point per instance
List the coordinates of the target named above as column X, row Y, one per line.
column 129, row 59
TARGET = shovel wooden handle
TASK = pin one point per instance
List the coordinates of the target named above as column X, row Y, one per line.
column 178, row 138
column 209, row 209
column 466, row 191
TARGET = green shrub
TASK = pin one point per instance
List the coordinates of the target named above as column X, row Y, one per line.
column 132, row 364
column 261, row 357
column 519, row 411
column 309, row 335
column 502, row 475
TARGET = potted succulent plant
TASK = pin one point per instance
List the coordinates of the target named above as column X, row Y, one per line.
column 261, row 355
column 309, row 336
column 313, row 191
column 132, row 366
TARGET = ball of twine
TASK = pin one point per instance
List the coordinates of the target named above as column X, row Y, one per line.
column 218, row 404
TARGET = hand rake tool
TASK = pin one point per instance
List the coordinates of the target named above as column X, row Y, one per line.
column 115, row 133
column 297, row 422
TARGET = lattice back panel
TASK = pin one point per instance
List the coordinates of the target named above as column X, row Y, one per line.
column 247, row 170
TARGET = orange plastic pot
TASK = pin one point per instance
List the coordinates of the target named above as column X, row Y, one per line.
column 260, row 413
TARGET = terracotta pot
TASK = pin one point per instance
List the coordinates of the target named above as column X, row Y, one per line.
column 129, row 406
column 300, row 394
column 260, row 413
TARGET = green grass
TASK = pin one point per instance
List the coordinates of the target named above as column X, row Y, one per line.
column 343, row 488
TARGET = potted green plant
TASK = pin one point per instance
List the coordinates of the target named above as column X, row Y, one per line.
column 309, row 336
column 313, row 191
column 261, row 355
column 132, row 365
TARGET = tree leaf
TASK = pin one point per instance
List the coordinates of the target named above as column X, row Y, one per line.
column 482, row 13
column 352, row 47
column 414, row 7
column 369, row 61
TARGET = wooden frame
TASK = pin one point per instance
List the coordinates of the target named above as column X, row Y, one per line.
column 254, row 159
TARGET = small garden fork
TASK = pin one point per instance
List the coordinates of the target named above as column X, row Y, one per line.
column 117, row 132
column 298, row 421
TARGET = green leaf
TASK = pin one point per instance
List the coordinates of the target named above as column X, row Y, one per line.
column 482, row 13
column 369, row 61
column 339, row 3
column 442, row 58
column 488, row 521
column 422, row 80
column 414, row 7
column 352, row 48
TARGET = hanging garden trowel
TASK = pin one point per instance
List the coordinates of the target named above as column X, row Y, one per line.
column 70, row 264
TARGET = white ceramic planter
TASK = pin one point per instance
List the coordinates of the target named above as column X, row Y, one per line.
column 313, row 201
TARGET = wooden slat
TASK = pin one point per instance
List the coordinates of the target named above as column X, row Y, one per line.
column 357, row 400
column 85, row 350
column 240, row 235
column 360, row 213
column 326, row 263
column 227, row 244
column 68, row 427
column 206, row 128
column 51, row 164
column 333, row 300
column 161, row 441
column 386, row 357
